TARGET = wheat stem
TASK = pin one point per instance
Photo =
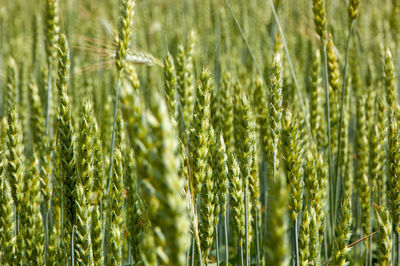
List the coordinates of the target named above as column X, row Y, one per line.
column 217, row 243
column 396, row 248
column 241, row 253
column 331, row 186
column 193, row 251
column 257, row 238
column 341, row 118
column 246, row 224
column 296, row 242
column 226, row 238
column 111, row 157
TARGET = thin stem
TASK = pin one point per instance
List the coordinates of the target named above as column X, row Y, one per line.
column 113, row 132
column 187, row 255
column 226, row 239
column 216, row 241
column 337, row 197
column 46, row 235
column 370, row 230
column 72, row 246
column 274, row 161
column 357, row 224
column 398, row 249
column 193, row 250
column 257, row 238
column 370, row 251
column 195, row 230
column 341, row 113
column 296, row 242
column 62, row 220
column 130, row 254
column 241, row 253
column 265, row 199
column 246, row 224
column 48, row 98
column 393, row 237
column 46, row 217
column 329, row 133
column 325, row 247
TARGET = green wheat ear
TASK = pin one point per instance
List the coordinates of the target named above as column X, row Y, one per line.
column 40, row 141
column 98, row 166
column 96, row 236
column 275, row 110
column 260, row 100
column 320, row 18
column 384, row 243
column 314, row 239
column 65, row 143
column 245, row 145
column 317, row 123
column 292, row 154
column 36, row 120
column 277, row 242
column 333, row 73
column 185, row 78
column 245, row 134
column 13, row 173
column 343, row 233
column 133, row 205
column 33, row 227
column 7, row 234
column 223, row 173
column 394, row 142
column 352, row 10
column 304, row 237
column 82, row 242
column 86, row 150
column 394, row 173
column 236, row 197
column 321, row 196
column 149, row 254
column 311, row 176
column 209, row 201
column 52, row 29
column 157, row 159
column 199, row 130
column 390, row 88
column 170, row 84
column 7, row 219
column 83, row 191
column 15, row 156
column 124, row 32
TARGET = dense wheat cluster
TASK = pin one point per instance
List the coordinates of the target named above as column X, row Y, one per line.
column 188, row 132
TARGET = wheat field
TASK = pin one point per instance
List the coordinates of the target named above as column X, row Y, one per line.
column 188, row 132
